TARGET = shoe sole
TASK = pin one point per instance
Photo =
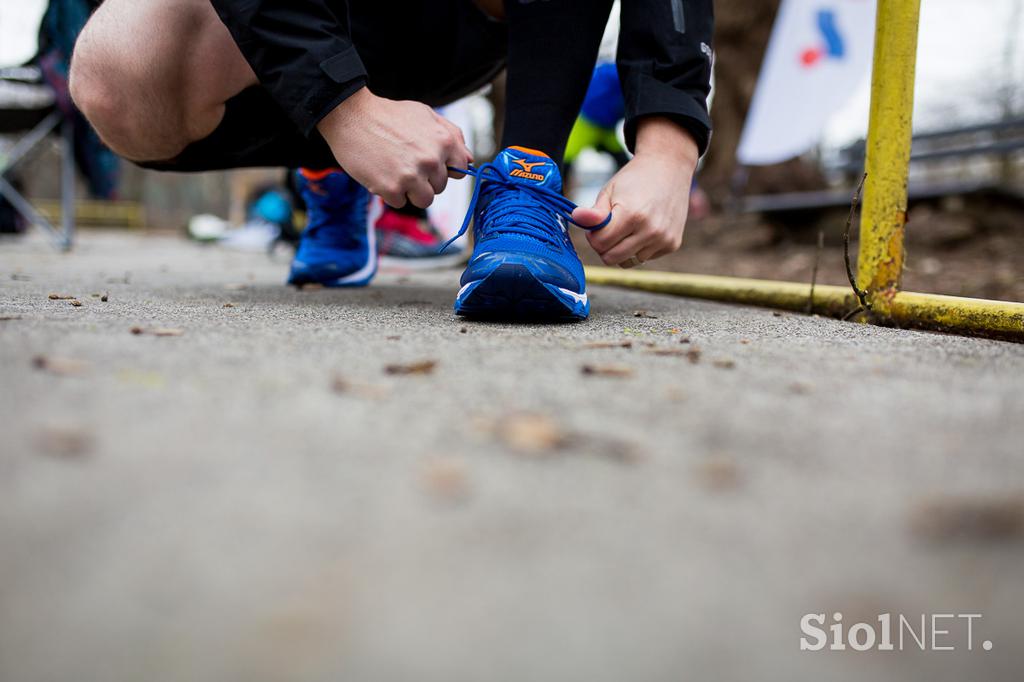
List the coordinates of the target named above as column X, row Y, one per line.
column 357, row 279
column 512, row 292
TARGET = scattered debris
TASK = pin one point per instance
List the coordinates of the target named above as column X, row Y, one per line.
column 675, row 394
column 532, row 434
column 538, row 435
column 948, row 518
column 597, row 345
column 616, row 371
column 343, row 386
column 228, row 305
column 745, row 342
column 64, row 441
column 693, row 355
column 59, row 366
column 644, row 314
column 464, row 330
column 800, row 388
column 158, row 331
column 421, row 367
column 393, row 338
column 724, row 364
column 75, row 303
column 685, row 340
column 18, row 277
column 675, row 330
column 719, row 473
column 776, row 314
column 311, row 286
column 445, row 479
column 8, row 318
column 61, row 297
column 104, row 298
column 670, row 352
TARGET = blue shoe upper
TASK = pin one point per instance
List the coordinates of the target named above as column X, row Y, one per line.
column 338, row 245
column 519, row 214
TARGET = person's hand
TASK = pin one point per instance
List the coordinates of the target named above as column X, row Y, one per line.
column 397, row 150
column 648, row 198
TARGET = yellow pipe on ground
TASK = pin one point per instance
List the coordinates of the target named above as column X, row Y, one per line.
column 880, row 262
column 970, row 316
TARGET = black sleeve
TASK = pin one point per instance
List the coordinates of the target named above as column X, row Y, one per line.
column 665, row 63
column 300, row 50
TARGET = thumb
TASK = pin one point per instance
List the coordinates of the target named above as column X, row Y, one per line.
column 590, row 217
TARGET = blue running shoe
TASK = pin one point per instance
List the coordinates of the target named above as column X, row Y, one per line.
column 338, row 246
column 524, row 265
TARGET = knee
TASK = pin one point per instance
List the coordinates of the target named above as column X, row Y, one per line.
column 98, row 86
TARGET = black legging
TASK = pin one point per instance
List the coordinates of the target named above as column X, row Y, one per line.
column 552, row 47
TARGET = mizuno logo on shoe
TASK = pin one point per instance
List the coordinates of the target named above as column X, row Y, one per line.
column 517, row 173
column 525, row 170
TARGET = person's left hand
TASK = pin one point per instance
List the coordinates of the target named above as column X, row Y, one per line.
column 648, row 199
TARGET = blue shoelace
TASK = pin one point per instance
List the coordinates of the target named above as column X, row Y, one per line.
column 507, row 214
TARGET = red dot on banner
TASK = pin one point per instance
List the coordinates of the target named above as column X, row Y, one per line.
column 811, row 56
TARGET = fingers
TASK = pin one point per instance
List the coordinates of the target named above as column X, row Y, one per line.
column 421, row 193
column 457, row 153
column 590, row 217
column 622, row 252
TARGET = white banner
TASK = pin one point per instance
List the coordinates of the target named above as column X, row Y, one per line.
column 819, row 54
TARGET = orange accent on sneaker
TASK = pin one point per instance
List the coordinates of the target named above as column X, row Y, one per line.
column 315, row 175
column 527, row 166
column 527, row 150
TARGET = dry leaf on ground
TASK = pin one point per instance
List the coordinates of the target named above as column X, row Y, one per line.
column 719, row 473
column 228, row 305
column 75, row 302
column 421, row 367
column 670, row 352
column 64, row 441
column 596, row 345
column 614, row 371
column 531, row 433
column 446, row 479
column 950, row 518
column 60, row 366
column 644, row 314
column 61, row 297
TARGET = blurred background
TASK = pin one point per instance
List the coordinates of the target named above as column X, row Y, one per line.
column 756, row 212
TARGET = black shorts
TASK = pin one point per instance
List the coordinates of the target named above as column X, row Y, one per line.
column 434, row 51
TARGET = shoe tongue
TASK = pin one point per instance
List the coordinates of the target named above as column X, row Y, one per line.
column 530, row 166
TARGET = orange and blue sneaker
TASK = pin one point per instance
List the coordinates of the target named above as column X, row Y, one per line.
column 337, row 248
column 524, row 266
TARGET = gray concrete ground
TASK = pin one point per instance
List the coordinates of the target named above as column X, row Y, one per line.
column 256, row 498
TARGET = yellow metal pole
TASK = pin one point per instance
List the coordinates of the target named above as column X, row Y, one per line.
column 970, row 316
column 880, row 264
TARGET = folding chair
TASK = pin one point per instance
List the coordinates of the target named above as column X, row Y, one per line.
column 28, row 110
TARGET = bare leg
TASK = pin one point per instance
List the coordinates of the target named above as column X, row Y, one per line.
column 152, row 76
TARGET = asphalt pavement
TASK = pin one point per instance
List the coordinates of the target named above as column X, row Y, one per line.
column 205, row 475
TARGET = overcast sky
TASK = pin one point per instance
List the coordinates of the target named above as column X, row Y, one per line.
column 960, row 59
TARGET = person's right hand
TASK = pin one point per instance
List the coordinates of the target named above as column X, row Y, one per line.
column 397, row 150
